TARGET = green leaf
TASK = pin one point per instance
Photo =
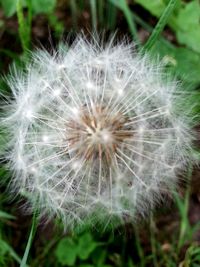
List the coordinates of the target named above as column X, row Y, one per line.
column 9, row 7
column 86, row 245
column 182, row 61
column 188, row 16
column 66, row 251
column 190, row 38
column 188, row 64
column 188, row 32
column 43, row 6
column 38, row 6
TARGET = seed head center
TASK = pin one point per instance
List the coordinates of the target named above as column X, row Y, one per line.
column 97, row 133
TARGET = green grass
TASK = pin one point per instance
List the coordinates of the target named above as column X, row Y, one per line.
column 147, row 245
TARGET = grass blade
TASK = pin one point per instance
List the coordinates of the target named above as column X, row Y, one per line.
column 112, row 16
column 5, row 215
column 24, row 24
column 122, row 4
column 100, row 9
column 11, row 251
column 94, row 14
column 161, row 24
column 73, row 6
column 30, row 239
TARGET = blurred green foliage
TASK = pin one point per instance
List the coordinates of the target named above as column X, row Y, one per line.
column 38, row 6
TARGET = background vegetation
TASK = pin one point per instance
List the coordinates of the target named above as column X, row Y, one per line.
column 168, row 29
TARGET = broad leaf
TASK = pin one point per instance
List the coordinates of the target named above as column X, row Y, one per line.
column 43, row 6
column 9, row 7
column 188, row 32
column 86, row 246
column 182, row 61
column 66, row 251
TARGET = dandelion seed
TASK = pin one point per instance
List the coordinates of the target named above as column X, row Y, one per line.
column 102, row 138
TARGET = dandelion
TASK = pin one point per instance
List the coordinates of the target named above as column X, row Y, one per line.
column 97, row 133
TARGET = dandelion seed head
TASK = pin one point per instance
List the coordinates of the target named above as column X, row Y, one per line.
column 95, row 133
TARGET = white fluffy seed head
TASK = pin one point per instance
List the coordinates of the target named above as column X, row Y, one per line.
column 96, row 133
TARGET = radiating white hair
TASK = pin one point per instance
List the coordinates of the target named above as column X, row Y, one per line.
column 97, row 133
